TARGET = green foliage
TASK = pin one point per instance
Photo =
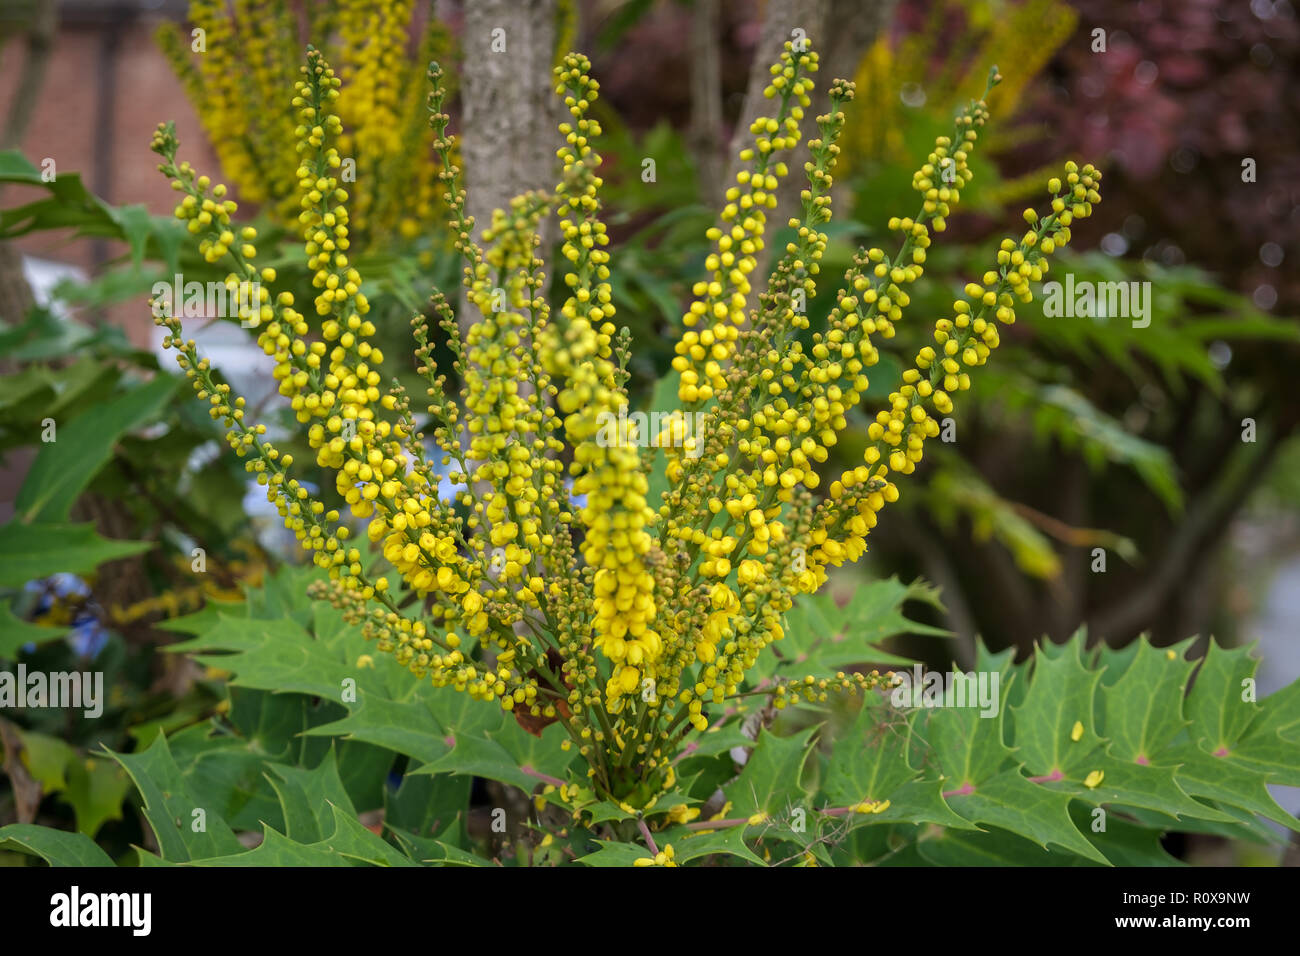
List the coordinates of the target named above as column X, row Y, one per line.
column 311, row 722
column 822, row 637
column 70, row 205
column 93, row 787
column 313, row 734
column 64, row 467
column 55, row 847
column 29, row 551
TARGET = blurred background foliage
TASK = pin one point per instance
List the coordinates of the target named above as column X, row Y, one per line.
column 1084, row 434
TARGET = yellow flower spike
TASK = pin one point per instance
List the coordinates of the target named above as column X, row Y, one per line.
column 516, row 517
column 1076, row 732
column 1094, row 779
column 236, row 83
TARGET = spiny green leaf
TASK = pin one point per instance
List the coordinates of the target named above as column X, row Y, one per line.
column 869, row 761
column 438, row 852
column 16, row 634
column 55, row 847
column 33, row 551
column 278, row 850
column 993, row 847
column 1222, row 779
column 969, row 747
column 1059, row 696
column 169, row 807
column 308, row 796
column 406, row 727
column 509, row 755
column 1218, row 705
column 771, row 781
column 1142, row 710
column 614, row 853
column 729, row 841
column 1014, row 803
column 96, row 789
column 1271, row 744
column 351, row 839
column 1128, row 784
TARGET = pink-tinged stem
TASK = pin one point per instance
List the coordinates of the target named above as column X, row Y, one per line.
column 965, row 790
column 1222, row 752
column 689, row 749
column 716, row 824
column 1052, row 777
column 839, row 811
column 649, row 840
column 544, row 777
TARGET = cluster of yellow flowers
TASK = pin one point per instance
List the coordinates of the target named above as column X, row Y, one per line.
column 631, row 622
column 239, row 59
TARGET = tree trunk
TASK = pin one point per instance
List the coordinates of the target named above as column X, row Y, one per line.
column 706, row 99
column 508, row 136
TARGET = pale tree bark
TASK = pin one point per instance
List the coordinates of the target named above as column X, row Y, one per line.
column 840, row 31
column 508, row 136
column 508, row 143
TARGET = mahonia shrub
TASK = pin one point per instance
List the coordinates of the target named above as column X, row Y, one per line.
column 240, row 59
column 553, row 583
column 587, row 595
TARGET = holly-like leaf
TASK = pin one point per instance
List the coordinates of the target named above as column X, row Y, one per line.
column 771, row 781
column 1013, row 803
column 967, row 744
column 614, row 853
column 1059, row 696
column 16, row 634
column 169, row 806
column 96, row 789
column 1128, row 784
column 352, row 840
column 729, row 841
column 307, row 798
column 436, row 852
column 1221, row 703
column 278, row 850
column 1142, row 710
column 508, row 754
column 406, row 726
column 55, row 847
column 273, row 655
column 32, row 551
column 1271, row 744
column 1227, row 781
column 869, row 760
column 992, row 847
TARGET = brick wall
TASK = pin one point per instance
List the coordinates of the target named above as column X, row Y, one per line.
column 104, row 59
